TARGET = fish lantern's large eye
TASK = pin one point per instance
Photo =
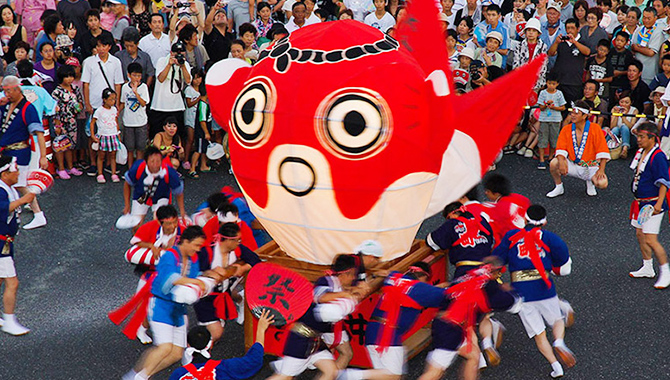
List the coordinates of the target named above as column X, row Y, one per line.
column 252, row 117
column 353, row 123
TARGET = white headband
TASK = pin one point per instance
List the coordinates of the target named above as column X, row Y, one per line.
column 580, row 109
column 536, row 222
column 229, row 217
column 11, row 166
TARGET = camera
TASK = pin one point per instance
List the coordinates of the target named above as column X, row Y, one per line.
column 182, row 5
column 475, row 74
column 565, row 38
column 178, row 48
column 180, row 58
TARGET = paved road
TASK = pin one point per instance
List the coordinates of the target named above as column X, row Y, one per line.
column 73, row 273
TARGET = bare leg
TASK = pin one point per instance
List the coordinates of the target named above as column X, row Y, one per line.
column 346, row 353
column 656, row 247
column 33, row 205
column 68, row 159
column 111, row 158
column 100, row 161
column 215, row 330
column 644, row 246
column 553, row 169
column 328, row 369
column 9, row 296
column 544, row 347
column 173, row 355
column 432, row 373
column 59, row 159
column 470, row 370
column 190, row 132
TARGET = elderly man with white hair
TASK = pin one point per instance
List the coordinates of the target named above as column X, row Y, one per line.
column 20, row 120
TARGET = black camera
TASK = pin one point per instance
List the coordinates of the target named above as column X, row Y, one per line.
column 182, row 5
column 180, row 58
column 178, row 48
column 565, row 38
column 475, row 74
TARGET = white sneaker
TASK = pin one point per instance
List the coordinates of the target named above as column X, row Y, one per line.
column 591, row 189
column 663, row 280
column 558, row 190
column 130, row 375
column 14, row 328
column 567, row 312
column 2, row 322
column 643, row 272
column 38, row 221
column 522, row 151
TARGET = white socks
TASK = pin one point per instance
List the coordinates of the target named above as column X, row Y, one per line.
column 665, row 268
column 559, row 343
column 557, row 370
column 487, row 343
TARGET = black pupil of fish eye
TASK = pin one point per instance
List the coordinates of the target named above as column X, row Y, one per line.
column 248, row 110
column 354, row 123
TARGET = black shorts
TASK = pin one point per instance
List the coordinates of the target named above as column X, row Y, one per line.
column 205, row 311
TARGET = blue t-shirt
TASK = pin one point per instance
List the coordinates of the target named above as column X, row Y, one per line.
column 483, row 28
column 422, row 293
column 44, row 103
column 168, row 270
column 135, row 178
column 245, row 367
column 473, row 249
column 557, row 256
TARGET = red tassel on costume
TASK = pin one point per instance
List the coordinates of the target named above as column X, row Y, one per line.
column 337, row 333
column 634, row 210
column 137, row 306
column 225, row 306
column 394, row 297
column 531, row 242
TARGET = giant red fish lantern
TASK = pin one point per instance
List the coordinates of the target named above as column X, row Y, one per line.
column 341, row 133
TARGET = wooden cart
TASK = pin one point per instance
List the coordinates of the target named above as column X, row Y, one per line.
column 356, row 322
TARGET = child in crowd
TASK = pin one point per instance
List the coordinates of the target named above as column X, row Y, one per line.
column 599, row 68
column 105, row 132
column 202, row 134
column 107, row 16
column 237, row 51
column 464, row 30
column 69, row 104
column 21, row 53
column 620, row 57
column 248, row 36
column 621, row 125
column 81, row 148
column 661, row 79
column 551, row 102
column 450, row 35
column 192, row 97
column 134, row 100
column 489, row 54
column 380, row 18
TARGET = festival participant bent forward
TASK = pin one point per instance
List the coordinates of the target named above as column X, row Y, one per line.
column 151, row 183
column 650, row 186
column 168, row 319
column 17, row 126
column 10, row 206
column 581, row 151
column 531, row 253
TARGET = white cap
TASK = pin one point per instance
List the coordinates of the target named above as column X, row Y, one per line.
column 467, row 52
column 555, row 5
column 533, row 23
column 495, row 35
column 371, row 248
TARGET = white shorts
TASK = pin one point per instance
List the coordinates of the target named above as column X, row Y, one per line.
column 392, row 359
column 440, row 358
column 535, row 314
column 290, row 366
column 329, row 338
column 141, row 209
column 7, row 269
column 651, row 226
column 582, row 172
column 23, row 176
column 164, row 333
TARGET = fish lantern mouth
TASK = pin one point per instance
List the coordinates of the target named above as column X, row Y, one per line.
column 297, row 176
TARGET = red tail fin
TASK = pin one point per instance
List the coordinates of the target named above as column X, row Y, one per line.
column 491, row 112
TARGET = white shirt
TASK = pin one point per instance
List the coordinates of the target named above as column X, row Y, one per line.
column 156, row 48
column 105, row 121
column 291, row 26
column 164, row 98
column 92, row 75
column 387, row 21
column 134, row 115
column 191, row 93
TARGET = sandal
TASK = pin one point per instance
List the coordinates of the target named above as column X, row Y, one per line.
column 208, row 170
column 193, row 175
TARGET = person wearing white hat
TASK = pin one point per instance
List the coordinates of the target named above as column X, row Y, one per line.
column 9, row 226
column 530, row 48
column 552, row 27
column 493, row 23
column 368, row 255
column 489, row 54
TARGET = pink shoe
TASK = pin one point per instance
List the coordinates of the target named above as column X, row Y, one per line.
column 63, row 174
column 101, row 179
column 115, row 178
column 75, row 172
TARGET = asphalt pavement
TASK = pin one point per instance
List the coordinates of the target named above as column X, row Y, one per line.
column 72, row 274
